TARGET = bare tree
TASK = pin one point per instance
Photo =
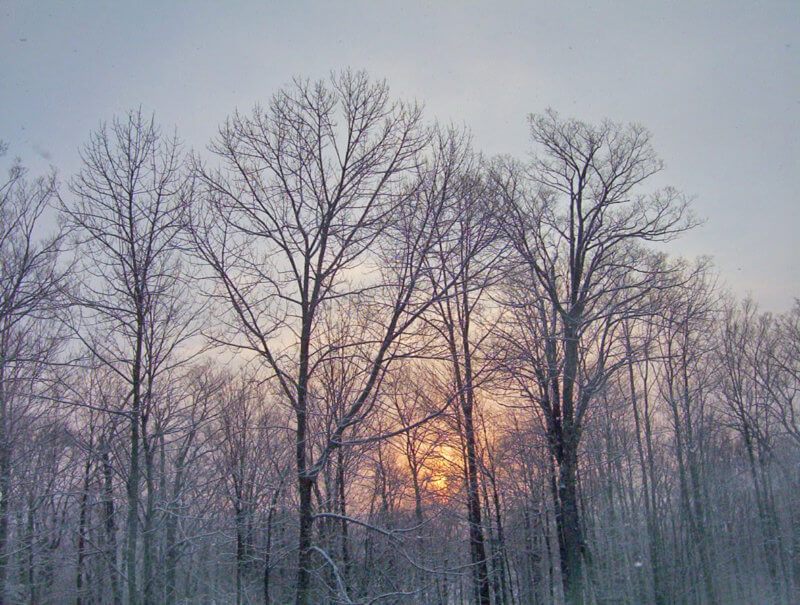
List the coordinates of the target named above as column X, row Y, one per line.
column 245, row 453
column 314, row 210
column 639, row 337
column 474, row 375
column 133, row 312
column 748, row 340
column 577, row 227
column 686, row 384
column 31, row 284
column 468, row 265
column 779, row 371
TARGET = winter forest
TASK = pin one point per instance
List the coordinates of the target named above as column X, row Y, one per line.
column 341, row 356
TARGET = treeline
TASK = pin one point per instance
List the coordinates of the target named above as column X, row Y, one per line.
column 344, row 358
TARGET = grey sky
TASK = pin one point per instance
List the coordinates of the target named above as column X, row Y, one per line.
column 717, row 83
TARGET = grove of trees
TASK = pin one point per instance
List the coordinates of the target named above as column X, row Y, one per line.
column 340, row 356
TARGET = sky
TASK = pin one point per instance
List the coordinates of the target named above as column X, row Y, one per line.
column 717, row 83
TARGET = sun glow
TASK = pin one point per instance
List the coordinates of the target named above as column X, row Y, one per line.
column 443, row 470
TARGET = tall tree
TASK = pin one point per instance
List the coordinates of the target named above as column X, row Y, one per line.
column 470, row 251
column 31, row 284
column 687, row 381
column 315, row 210
column 748, row 340
column 577, row 225
column 133, row 308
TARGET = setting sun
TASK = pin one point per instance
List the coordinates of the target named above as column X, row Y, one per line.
column 443, row 471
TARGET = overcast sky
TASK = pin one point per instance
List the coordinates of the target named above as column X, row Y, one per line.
column 717, row 84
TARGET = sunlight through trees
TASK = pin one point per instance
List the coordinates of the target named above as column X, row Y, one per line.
column 343, row 357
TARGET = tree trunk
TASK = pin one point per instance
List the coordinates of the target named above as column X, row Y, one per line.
column 268, row 547
column 569, row 528
column 148, row 534
column 466, row 398
column 171, row 547
column 5, row 483
column 304, row 542
column 477, row 546
column 239, row 514
column 342, row 509
column 132, row 487
column 565, row 444
column 305, row 483
column 501, row 554
column 82, row 530
column 109, row 526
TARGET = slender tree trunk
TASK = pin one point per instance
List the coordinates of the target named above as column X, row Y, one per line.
column 466, row 398
column 417, row 495
column 5, row 485
column 110, row 526
column 531, row 576
column 305, row 483
column 132, row 521
column 343, row 530
column 268, row 547
column 499, row 554
column 30, row 580
column 148, row 534
column 478, row 548
column 132, row 488
column 5, row 482
column 771, row 540
column 502, row 559
column 413, row 468
column 654, row 523
column 79, row 572
column 171, row 547
column 497, row 575
column 240, row 549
